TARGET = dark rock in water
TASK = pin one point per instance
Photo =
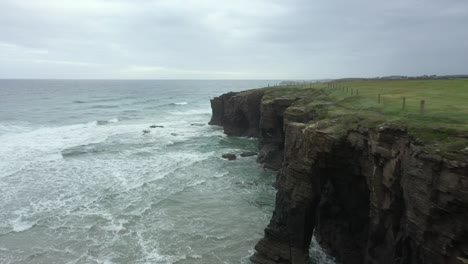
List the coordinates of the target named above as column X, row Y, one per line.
column 146, row 131
column 248, row 154
column 229, row 156
column 155, row 126
column 174, row 134
column 197, row 124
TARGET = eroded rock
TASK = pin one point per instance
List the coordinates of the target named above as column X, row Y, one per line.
column 248, row 154
column 229, row 156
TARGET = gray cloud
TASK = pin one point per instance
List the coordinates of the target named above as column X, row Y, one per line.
column 243, row 39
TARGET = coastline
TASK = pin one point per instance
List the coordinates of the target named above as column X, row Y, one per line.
column 369, row 191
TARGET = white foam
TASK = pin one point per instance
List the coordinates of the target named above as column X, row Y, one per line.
column 116, row 225
column 45, row 144
column 13, row 128
column 106, row 260
column 317, row 253
column 18, row 225
column 104, row 122
column 191, row 112
column 151, row 254
column 181, row 103
column 221, row 174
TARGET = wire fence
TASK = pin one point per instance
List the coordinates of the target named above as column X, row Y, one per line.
column 351, row 91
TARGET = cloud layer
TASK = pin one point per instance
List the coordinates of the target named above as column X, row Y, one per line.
column 242, row 39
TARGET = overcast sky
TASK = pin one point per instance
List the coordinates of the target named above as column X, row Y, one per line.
column 238, row 39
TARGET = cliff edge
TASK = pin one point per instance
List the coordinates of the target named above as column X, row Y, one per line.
column 369, row 191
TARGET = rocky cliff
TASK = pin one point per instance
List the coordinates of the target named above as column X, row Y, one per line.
column 369, row 194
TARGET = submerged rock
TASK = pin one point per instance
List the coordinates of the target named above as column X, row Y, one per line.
column 146, row 131
column 229, row 156
column 248, row 154
column 197, row 124
column 155, row 126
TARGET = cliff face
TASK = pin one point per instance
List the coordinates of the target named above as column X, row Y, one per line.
column 238, row 113
column 247, row 114
column 369, row 194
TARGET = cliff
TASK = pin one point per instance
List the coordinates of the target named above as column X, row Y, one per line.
column 369, row 193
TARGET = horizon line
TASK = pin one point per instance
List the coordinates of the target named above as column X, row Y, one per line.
column 247, row 79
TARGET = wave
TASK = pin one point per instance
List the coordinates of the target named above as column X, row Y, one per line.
column 181, row 103
column 34, row 144
column 191, row 112
column 104, row 106
column 106, row 122
column 80, row 150
column 18, row 225
column 176, row 104
column 17, row 127
column 169, row 104
column 102, row 100
column 145, row 101
column 193, row 160
column 47, row 143
column 23, row 226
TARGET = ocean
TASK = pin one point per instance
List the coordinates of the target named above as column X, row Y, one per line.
column 80, row 182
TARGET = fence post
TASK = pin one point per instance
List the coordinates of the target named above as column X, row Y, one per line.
column 357, row 91
column 352, row 91
column 404, row 103
column 379, row 99
column 423, row 103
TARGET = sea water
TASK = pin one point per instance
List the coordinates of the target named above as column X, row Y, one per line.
column 81, row 183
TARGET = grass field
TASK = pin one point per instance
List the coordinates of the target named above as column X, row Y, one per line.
column 443, row 125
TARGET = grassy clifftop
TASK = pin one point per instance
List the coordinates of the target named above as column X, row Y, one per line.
column 443, row 126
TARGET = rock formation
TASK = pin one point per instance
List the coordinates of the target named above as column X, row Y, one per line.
column 248, row 154
column 229, row 156
column 369, row 194
column 238, row 113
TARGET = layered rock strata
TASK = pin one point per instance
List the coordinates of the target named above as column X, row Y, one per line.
column 368, row 193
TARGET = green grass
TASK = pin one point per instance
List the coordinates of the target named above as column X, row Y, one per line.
column 443, row 125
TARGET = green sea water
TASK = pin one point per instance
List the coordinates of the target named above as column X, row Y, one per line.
column 81, row 183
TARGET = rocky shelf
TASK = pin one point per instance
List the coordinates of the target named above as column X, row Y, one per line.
column 368, row 191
